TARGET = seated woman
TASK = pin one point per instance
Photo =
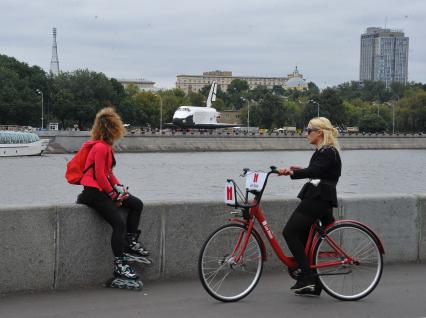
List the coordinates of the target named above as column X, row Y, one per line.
column 104, row 193
column 318, row 198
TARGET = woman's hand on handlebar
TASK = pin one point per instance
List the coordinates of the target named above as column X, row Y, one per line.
column 285, row 172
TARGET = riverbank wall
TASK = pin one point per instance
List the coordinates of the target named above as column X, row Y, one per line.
column 69, row 142
column 68, row 246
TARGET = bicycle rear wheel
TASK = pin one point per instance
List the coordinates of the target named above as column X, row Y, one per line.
column 355, row 280
column 221, row 275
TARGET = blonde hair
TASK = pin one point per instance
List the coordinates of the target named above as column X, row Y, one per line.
column 329, row 132
column 107, row 126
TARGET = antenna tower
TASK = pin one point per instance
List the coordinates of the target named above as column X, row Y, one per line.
column 54, row 63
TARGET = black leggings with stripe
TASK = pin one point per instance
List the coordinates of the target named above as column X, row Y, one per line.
column 297, row 229
column 106, row 208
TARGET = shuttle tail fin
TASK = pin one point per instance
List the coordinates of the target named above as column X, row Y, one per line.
column 212, row 95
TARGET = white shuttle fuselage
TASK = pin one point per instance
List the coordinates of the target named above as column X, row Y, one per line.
column 192, row 116
column 199, row 117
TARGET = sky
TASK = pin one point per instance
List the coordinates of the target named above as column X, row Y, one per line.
column 158, row 39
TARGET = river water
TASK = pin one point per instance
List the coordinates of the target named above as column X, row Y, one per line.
column 201, row 176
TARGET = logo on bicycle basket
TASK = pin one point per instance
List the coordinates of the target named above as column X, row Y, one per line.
column 229, row 193
column 255, row 181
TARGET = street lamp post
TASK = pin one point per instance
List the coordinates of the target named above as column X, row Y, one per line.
column 393, row 115
column 248, row 113
column 161, row 115
column 42, row 112
column 315, row 102
column 161, row 112
column 248, row 116
column 393, row 118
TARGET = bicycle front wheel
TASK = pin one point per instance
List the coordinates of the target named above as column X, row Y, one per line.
column 349, row 280
column 221, row 275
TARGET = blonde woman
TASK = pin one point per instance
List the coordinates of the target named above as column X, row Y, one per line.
column 318, row 198
column 104, row 193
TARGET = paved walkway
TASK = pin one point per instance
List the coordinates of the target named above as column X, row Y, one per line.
column 401, row 293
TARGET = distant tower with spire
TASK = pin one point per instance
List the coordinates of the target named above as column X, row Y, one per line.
column 54, row 63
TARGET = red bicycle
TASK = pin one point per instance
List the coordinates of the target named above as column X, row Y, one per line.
column 345, row 255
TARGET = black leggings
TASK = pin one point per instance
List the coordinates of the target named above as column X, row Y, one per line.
column 102, row 204
column 297, row 229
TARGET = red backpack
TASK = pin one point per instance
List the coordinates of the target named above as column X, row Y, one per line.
column 75, row 167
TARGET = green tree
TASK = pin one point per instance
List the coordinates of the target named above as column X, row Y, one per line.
column 78, row 95
column 293, row 114
column 411, row 112
column 270, row 112
column 372, row 123
column 258, row 93
column 278, row 90
column 219, row 104
column 195, row 99
column 236, row 89
column 237, row 86
column 19, row 101
column 313, row 89
column 331, row 106
column 205, row 90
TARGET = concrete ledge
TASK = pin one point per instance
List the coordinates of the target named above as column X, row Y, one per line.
column 68, row 143
column 422, row 225
column 393, row 217
column 28, row 248
column 68, row 246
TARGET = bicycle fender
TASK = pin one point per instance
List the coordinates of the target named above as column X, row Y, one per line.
column 365, row 226
column 256, row 233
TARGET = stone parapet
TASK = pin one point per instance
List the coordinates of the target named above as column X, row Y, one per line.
column 68, row 246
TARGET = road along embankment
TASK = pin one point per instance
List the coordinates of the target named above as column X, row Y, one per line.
column 68, row 246
column 68, row 142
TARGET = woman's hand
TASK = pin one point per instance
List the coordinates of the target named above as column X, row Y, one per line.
column 285, row 172
column 119, row 194
column 293, row 168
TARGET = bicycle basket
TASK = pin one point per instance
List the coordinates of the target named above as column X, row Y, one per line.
column 231, row 193
column 255, row 180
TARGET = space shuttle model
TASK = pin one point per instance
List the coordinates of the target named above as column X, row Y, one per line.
column 204, row 117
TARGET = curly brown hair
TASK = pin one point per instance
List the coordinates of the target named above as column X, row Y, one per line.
column 107, row 126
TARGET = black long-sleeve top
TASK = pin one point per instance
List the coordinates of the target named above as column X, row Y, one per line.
column 326, row 165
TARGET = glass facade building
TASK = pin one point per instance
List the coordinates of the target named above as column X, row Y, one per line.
column 384, row 56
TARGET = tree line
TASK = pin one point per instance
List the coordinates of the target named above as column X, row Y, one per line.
column 74, row 98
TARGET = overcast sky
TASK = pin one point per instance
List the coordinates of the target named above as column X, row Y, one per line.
column 160, row 39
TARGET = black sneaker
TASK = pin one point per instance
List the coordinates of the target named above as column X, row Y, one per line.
column 305, row 282
column 296, row 285
column 308, row 292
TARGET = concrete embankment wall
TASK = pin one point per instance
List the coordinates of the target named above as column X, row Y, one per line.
column 68, row 246
column 68, row 142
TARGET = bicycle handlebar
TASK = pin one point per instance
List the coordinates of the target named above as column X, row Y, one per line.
column 273, row 170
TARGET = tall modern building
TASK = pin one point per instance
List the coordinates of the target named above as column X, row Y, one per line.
column 384, row 56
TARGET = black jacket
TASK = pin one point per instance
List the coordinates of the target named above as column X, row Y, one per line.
column 326, row 165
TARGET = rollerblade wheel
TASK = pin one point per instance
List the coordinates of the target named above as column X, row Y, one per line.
column 123, row 283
